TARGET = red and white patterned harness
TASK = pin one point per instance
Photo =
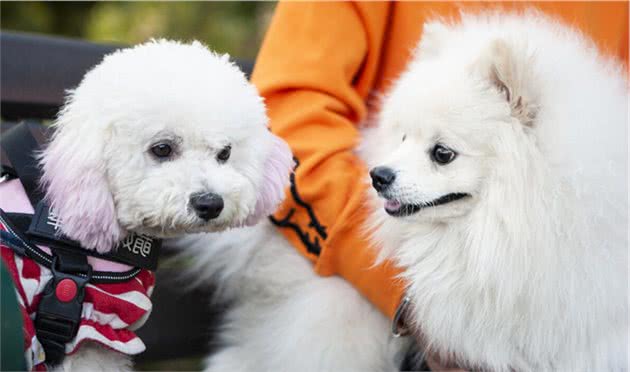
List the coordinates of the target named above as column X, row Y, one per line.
column 111, row 311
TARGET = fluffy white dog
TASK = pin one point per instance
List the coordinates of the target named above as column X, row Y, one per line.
column 501, row 154
column 502, row 159
column 160, row 139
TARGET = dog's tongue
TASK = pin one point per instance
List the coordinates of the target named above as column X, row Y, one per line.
column 392, row 205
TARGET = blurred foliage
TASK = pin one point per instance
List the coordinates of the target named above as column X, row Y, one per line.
column 233, row 27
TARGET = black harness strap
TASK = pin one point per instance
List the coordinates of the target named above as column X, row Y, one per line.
column 59, row 312
column 15, row 238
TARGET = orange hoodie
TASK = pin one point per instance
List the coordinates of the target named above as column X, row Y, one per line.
column 320, row 67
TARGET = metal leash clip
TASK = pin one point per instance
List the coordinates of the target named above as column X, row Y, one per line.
column 399, row 328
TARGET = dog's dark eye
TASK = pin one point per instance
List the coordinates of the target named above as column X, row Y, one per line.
column 162, row 150
column 404, row 137
column 224, row 154
column 442, row 154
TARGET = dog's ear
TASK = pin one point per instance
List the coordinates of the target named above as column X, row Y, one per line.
column 511, row 75
column 74, row 179
column 278, row 166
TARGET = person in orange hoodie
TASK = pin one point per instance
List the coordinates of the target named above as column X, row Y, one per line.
column 321, row 68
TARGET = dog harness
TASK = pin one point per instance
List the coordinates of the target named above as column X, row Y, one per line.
column 67, row 295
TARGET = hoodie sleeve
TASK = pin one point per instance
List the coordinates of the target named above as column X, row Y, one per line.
column 316, row 69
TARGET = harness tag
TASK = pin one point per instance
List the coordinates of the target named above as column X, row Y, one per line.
column 45, row 225
column 138, row 250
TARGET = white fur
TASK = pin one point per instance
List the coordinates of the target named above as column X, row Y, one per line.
column 105, row 182
column 528, row 273
column 93, row 358
column 283, row 316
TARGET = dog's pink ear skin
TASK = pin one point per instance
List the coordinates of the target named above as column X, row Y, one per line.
column 277, row 169
column 73, row 177
column 511, row 75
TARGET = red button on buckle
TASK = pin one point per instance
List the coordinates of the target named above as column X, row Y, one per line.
column 66, row 290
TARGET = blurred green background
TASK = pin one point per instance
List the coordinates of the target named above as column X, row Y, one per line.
column 233, row 27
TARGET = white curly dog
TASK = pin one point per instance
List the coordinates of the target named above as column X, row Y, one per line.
column 160, row 139
column 500, row 186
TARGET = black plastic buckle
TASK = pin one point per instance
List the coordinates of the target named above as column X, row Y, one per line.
column 59, row 312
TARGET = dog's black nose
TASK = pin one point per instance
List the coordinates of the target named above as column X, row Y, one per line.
column 207, row 205
column 382, row 178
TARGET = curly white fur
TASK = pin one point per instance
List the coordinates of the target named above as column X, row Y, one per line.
column 527, row 273
column 103, row 180
column 101, row 177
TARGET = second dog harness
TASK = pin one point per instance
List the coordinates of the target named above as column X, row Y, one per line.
column 67, row 295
